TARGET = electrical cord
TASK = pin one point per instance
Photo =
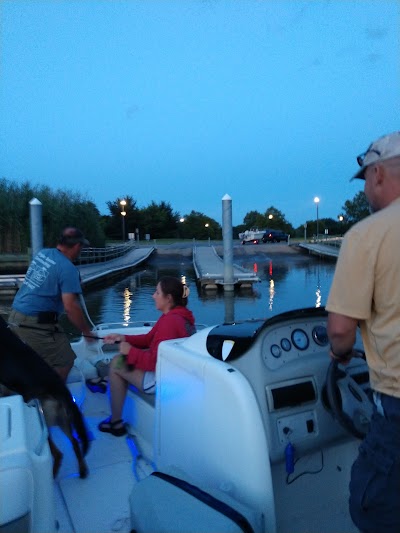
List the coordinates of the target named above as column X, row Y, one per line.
column 295, row 478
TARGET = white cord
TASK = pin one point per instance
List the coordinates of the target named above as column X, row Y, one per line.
column 83, row 305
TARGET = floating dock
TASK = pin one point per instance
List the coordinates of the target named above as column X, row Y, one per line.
column 9, row 284
column 209, row 268
column 322, row 249
column 94, row 273
column 90, row 273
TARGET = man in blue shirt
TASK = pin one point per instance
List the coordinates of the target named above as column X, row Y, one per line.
column 51, row 286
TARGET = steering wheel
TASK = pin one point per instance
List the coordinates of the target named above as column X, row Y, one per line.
column 350, row 404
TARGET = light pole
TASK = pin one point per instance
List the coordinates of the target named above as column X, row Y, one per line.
column 181, row 220
column 316, row 201
column 341, row 218
column 207, row 225
column 123, row 214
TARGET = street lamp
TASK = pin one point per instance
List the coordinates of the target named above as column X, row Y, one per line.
column 316, row 201
column 123, row 214
column 341, row 218
column 181, row 220
column 207, row 225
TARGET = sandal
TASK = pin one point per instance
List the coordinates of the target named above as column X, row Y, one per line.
column 109, row 427
column 97, row 385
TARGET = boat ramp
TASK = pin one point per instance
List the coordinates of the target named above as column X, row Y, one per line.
column 209, row 268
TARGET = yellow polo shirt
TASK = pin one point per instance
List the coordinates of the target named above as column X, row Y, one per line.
column 366, row 286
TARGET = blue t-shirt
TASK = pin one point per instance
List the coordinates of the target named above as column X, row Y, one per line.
column 50, row 275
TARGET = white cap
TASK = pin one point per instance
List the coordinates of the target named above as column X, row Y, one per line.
column 383, row 148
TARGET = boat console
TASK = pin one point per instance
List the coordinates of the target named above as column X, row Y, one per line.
column 244, row 407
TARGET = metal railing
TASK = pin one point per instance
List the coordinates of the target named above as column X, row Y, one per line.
column 101, row 255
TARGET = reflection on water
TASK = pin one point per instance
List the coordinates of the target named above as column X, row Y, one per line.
column 287, row 282
column 271, row 294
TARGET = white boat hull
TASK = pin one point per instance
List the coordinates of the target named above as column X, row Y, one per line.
column 221, row 418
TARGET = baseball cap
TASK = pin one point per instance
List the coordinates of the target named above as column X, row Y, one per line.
column 73, row 236
column 383, row 148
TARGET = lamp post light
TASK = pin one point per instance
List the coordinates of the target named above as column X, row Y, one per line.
column 123, row 214
column 316, row 201
column 181, row 220
column 341, row 218
column 207, row 225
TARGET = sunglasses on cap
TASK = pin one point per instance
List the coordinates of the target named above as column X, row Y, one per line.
column 361, row 157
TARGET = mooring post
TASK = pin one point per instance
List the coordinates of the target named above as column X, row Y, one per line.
column 228, row 242
column 36, row 225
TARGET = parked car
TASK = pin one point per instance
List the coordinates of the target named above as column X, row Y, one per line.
column 275, row 235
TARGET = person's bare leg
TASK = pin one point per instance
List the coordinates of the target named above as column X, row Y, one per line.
column 119, row 377
column 118, row 387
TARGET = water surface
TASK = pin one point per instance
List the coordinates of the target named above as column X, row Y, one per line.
column 288, row 281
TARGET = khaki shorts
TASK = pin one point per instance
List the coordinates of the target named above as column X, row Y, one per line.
column 48, row 340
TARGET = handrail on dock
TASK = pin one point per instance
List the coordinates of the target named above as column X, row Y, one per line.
column 101, row 255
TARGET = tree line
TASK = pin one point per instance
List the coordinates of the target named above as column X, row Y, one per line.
column 157, row 220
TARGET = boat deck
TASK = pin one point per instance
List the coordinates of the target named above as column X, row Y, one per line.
column 98, row 503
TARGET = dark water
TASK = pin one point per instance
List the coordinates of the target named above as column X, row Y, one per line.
column 288, row 281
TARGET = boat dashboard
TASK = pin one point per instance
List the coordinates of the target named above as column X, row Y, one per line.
column 285, row 360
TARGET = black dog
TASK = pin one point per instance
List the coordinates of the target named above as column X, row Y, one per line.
column 23, row 371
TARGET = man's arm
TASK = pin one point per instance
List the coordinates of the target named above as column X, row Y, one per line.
column 342, row 335
column 75, row 314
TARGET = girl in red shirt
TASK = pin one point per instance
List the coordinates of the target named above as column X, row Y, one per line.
column 136, row 362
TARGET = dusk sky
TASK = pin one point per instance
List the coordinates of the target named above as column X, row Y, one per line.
column 184, row 101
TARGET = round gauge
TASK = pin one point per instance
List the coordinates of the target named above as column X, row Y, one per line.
column 276, row 351
column 320, row 335
column 300, row 339
column 285, row 344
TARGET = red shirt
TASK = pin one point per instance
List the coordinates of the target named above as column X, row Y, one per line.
column 177, row 323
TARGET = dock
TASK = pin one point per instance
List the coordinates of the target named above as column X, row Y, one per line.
column 322, row 249
column 90, row 273
column 9, row 284
column 209, row 269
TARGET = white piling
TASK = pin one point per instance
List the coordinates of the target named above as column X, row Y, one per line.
column 36, row 225
column 228, row 242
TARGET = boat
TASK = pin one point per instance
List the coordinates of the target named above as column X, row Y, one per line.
column 253, row 236
column 251, row 414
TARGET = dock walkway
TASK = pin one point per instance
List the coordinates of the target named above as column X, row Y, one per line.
column 9, row 284
column 90, row 273
column 209, row 268
column 321, row 249
column 95, row 272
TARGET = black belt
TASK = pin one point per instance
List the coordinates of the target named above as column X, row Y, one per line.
column 47, row 317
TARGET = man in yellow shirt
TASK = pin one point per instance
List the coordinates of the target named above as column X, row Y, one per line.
column 366, row 291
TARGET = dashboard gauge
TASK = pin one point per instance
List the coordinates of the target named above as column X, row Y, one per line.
column 320, row 335
column 300, row 339
column 276, row 351
column 286, row 344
